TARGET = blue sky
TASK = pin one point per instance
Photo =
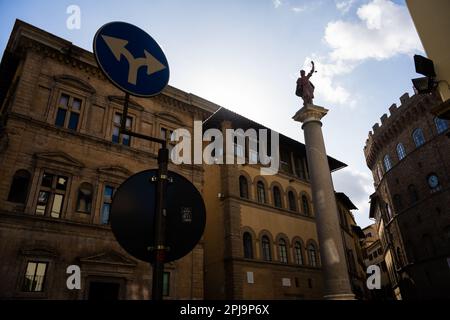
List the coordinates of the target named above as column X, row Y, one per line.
column 246, row 54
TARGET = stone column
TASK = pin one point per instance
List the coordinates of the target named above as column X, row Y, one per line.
column 334, row 266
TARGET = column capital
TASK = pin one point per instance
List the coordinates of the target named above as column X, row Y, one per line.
column 310, row 112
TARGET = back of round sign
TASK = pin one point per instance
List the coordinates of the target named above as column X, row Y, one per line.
column 133, row 212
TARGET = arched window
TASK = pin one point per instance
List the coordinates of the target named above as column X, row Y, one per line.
column 266, row 252
column 261, row 192
column 248, row 245
column 283, row 251
column 387, row 163
column 84, row 200
column 277, row 197
column 418, row 137
column 298, row 253
column 401, row 152
column 305, row 205
column 18, row 191
column 243, row 187
column 413, row 195
column 292, row 202
column 441, row 124
column 312, row 255
column 398, row 205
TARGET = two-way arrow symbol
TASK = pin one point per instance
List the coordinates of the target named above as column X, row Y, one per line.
column 117, row 47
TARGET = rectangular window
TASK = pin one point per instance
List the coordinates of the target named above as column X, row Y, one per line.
column 51, row 195
column 68, row 114
column 34, row 277
column 118, row 138
column 106, row 208
column 300, row 168
column 166, row 134
column 166, row 284
column 285, row 161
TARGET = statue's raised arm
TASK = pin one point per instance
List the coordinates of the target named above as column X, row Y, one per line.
column 313, row 69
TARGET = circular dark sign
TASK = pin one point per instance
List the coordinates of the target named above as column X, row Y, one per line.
column 133, row 212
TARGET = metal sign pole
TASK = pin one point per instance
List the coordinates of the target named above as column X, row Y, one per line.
column 159, row 249
column 159, row 232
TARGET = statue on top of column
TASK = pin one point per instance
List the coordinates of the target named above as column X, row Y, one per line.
column 305, row 89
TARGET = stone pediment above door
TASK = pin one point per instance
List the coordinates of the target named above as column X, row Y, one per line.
column 110, row 258
column 115, row 171
column 60, row 158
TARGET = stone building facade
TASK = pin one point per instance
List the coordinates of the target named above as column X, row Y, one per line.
column 61, row 160
column 373, row 255
column 353, row 238
column 261, row 239
column 409, row 155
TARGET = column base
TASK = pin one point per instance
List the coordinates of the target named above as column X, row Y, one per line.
column 344, row 296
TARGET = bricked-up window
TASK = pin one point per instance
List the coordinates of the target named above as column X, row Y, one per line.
column 118, row 138
column 298, row 253
column 266, row 252
column 413, row 195
column 292, row 202
column 401, row 260
column 106, row 207
column 305, row 205
column 389, row 212
column 84, row 199
column 418, row 137
column 398, row 205
column 312, row 256
column 401, row 152
column 166, row 284
column 277, row 197
column 441, row 125
column 243, row 187
column 18, row 191
column 248, row 245
column 261, row 192
column 34, row 277
column 51, row 195
column 68, row 113
column 351, row 261
column 282, row 247
column 387, row 163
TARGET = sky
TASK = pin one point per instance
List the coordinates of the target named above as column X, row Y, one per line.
column 245, row 55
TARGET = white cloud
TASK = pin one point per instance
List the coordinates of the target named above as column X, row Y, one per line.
column 358, row 186
column 327, row 86
column 384, row 30
column 277, row 3
column 345, row 5
column 299, row 9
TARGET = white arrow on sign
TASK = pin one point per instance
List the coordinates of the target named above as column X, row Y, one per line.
column 117, row 47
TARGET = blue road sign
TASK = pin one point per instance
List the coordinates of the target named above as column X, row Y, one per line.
column 131, row 59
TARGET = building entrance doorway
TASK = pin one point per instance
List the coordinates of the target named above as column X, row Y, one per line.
column 103, row 291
